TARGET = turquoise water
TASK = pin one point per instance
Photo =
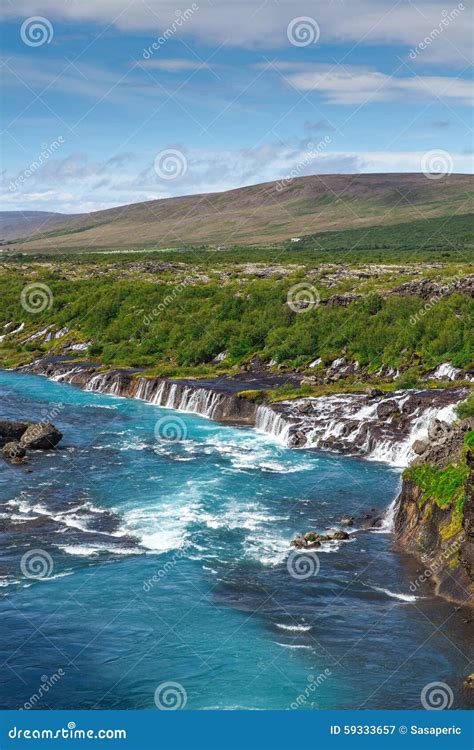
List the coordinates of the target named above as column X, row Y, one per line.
column 169, row 563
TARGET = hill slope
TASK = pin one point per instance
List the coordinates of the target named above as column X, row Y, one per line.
column 261, row 214
column 23, row 223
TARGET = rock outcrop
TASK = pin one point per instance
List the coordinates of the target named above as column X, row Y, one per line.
column 435, row 513
column 18, row 437
column 40, row 436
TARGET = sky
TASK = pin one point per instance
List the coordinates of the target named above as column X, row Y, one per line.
column 109, row 102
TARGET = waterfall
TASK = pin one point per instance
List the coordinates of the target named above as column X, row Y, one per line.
column 273, row 423
column 381, row 428
column 187, row 398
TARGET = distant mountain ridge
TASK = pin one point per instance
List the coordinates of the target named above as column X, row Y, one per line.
column 259, row 214
column 23, row 223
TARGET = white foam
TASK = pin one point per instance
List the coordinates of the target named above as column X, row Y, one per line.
column 395, row 595
column 294, row 628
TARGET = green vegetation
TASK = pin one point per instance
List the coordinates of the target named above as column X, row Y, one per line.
column 177, row 319
column 466, row 408
column 449, row 235
column 444, row 488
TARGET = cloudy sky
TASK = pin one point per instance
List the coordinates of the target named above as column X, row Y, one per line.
column 108, row 102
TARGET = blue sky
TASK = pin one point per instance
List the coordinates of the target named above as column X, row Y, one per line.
column 112, row 102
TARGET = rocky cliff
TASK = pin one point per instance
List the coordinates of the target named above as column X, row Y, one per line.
column 435, row 513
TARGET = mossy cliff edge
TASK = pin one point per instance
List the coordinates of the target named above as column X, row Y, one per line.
column 435, row 515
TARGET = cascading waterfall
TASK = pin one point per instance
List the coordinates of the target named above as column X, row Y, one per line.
column 273, row 423
column 382, row 429
column 181, row 397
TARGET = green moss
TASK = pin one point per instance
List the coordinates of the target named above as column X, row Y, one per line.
column 466, row 408
column 469, row 440
column 442, row 486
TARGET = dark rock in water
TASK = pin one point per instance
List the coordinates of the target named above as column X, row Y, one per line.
column 296, row 439
column 312, row 539
column 468, row 683
column 12, row 430
column 14, row 452
column 332, row 534
column 347, row 521
column 349, row 427
column 420, row 446
column 313, row 536
column 387, row 408
column 41, row 436
column 301, row 543
column 374, row 392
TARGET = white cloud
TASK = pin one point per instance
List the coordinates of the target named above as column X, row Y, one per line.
column 253, row 23
column 173, row 65
column 358, row 85
column 74, row 184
